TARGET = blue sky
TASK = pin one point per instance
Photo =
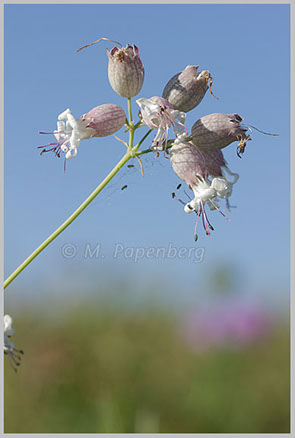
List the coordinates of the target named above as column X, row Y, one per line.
column 246, row 48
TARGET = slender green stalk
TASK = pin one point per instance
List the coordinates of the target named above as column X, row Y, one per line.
column 131, row 153
column 141, row 141
column 129, row 110
column 73, row 216
column 131, row 125
column 147, row 151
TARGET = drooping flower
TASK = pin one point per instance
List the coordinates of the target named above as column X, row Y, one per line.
column 125, row 70
column 14, row 355
column 186, row 89
column 190, row 165
column 101, row 121
column 216, row 131
column 158, row 113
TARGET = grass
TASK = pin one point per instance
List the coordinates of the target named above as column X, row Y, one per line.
column 108, row 372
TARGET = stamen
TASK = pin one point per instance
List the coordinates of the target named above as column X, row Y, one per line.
column 180, row 200
column 11, row 362
column 218, row 209
column 204, row 219
column 18, row 351
column 187, row 195
column 49, row 144
column 209, row 225
column 198, row 217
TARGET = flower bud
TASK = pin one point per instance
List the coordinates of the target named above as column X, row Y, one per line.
column 186, row 89
column 105, row 119
column 188, row 163
column 125, row 70
column 216, row 131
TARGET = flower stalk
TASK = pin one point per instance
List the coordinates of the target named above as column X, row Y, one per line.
column 132, row 152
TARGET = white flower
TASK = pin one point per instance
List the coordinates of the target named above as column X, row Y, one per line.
column 9, row 348
column 223, row 185
column 70, row 131
column 158, row 113
column 205, row 192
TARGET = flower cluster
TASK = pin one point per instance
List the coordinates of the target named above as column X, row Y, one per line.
column 196, row 157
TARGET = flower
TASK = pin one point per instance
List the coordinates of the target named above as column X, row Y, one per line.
column 101, row 121
column 186, row 89
column 231, row 324
column 158, row 113
column 9, row 349
column 125, row 70
column 190, row 165
column 216, row 131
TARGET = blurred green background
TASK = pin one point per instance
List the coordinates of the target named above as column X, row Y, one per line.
column 101, row 365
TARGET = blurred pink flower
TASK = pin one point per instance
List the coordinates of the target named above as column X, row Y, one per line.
column 229, row 325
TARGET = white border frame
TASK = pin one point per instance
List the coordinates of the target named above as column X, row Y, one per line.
column 292, row 199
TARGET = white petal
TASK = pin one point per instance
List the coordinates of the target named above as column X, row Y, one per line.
column 235, row 175
column 148, row 106
column 71, row 153
column 7, row 322
column 64, row 115
column 222, row 186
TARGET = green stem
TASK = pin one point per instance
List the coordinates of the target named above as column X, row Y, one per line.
column 129, row 110
column 147, row 151
column 73, row 216
column 131, row 126
column 141, row 141
column 131, row 153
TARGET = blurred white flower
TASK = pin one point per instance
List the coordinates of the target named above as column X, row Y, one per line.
column 14, row 355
